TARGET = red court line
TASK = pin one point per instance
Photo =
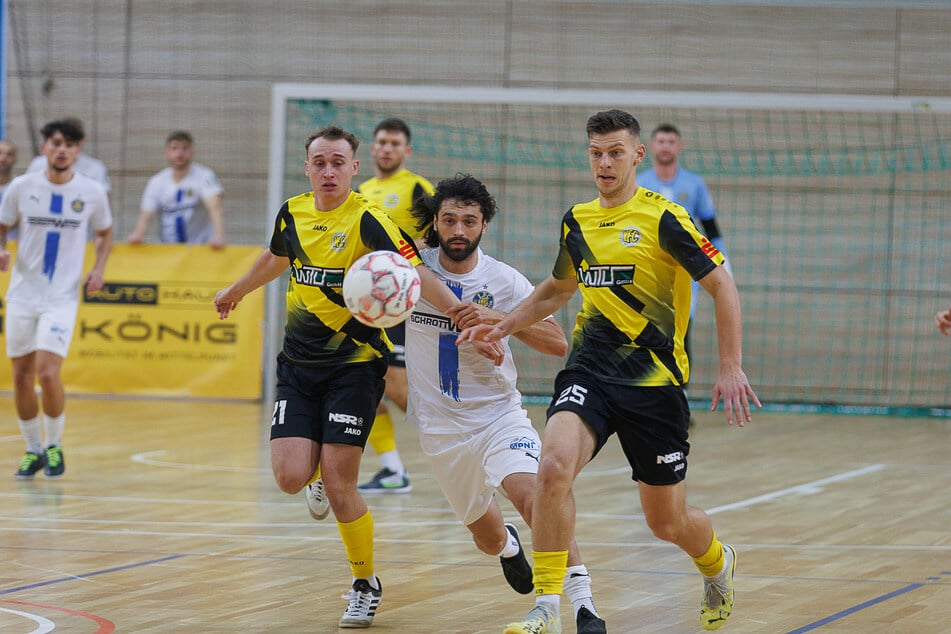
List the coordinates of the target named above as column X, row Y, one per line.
column 105, row 626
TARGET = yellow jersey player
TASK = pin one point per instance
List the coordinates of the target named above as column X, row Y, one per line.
column 331, row 367
column 394, row 188
column 633, row 253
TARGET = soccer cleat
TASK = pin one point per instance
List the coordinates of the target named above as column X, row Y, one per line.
column 55, row 465
column 29, row 465
column 317, row 502
column 717, row 602
column 540, row 620
column 589, row 623
column 515, row 568
column 363, row 603
column 387, row 481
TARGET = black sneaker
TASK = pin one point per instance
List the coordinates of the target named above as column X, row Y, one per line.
column 55, row 465
column 29, row 465
column 516, row 569
column 387, row 481
column 588, row 623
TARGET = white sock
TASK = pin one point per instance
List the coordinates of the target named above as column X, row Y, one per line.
column 550, row 601
column 511, row 547
column 373, row 580
column 391, row 460
column 578, row 589
column 53, row 426
column 32, row 434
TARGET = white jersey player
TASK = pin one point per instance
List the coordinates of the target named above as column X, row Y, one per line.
column 54, row 210
column 468, row 411
column 86, row 165
column 186, row 197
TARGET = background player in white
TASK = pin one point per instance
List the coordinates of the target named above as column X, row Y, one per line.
column 86, row 165
column 54, row 210
column 176, row 194
column 467, row 409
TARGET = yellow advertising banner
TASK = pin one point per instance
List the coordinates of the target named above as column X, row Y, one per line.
column 153, row 331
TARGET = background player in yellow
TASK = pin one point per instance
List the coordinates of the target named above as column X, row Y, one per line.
column 394, row 188
column 633, row 254
column 331, row 367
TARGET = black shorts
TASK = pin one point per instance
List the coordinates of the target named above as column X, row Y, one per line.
column 397, row 336
column 650, row 422
column 328, row 405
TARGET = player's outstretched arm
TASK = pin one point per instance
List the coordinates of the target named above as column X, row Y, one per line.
column 547, row 298
column 731, row 385
column 266, row 268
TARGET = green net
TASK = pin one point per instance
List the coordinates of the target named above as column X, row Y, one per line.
column 835, row 223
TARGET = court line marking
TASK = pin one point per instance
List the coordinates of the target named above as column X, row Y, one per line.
column 44, row 625
column 855, row 608
column 105, row 625
column 809, row 488
column 50, row 582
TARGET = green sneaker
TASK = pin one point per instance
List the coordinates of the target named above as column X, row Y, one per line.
column 55, row 466
column 29, row 465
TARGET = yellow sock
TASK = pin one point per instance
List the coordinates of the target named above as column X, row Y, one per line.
column 358, row 541
column 316, row 475
column 549, row 571
column 711, row 562
column 382, row 437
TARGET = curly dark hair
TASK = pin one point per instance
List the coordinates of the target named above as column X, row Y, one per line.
column 464, row 188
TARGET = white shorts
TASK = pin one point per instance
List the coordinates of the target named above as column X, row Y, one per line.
column 33, row 327
column 471, row 468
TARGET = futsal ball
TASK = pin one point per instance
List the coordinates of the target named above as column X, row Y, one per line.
column 381, row 289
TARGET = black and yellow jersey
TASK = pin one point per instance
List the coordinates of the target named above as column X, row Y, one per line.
column 321, row 246
column 633, row 264
column 396, row 194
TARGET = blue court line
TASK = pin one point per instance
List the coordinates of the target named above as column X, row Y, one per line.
column 89, row 574
column 861, row 606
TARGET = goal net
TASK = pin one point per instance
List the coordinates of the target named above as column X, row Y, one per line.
column 834, row 212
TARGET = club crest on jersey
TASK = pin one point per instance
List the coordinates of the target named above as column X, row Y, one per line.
column 484, row 298
column 630, row 236
column 339, row 241
column 78, row 205
column 391, row 200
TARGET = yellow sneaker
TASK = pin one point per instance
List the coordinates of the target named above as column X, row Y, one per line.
column 540, row 620
column 717, row 602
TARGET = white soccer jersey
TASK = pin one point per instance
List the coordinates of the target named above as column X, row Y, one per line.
column 86, row 165
column 453, row 389
column 53, row 224
column 177, row 203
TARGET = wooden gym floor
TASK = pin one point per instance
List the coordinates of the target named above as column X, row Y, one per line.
column 168, row 520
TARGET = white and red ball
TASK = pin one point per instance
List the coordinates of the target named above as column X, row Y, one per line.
column 381, row 289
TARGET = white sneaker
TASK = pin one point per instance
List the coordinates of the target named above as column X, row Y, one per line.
column 363, row 603
column 317, row 502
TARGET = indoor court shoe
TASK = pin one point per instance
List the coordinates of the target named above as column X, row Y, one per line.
column 540, row 620
column 387, row 481
column 717, row 602
column 589, row 623
column 29, row 465
column 317, row 502
column 55, row 465
column 363, row 603
column 515, row 568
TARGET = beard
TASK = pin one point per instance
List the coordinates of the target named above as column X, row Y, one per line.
column 459, row 253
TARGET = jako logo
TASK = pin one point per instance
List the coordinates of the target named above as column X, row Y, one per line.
column 677, row 456
column 353, row 432
column 349, row 419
